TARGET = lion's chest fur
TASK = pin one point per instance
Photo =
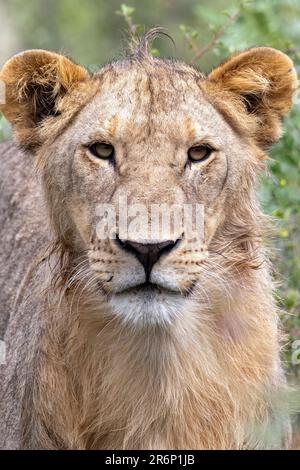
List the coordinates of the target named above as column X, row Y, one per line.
column 100, row 385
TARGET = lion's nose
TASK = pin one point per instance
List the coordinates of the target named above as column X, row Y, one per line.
column 147, row 253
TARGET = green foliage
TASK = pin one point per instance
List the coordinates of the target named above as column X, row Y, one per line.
column 205, row 33
column 5, row 130
column 281, row 198
column 126, row 12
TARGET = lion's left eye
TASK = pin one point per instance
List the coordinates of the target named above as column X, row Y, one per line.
column 199, row 153
column 102, row 150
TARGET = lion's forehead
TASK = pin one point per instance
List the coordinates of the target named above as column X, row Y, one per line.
column 141, row 103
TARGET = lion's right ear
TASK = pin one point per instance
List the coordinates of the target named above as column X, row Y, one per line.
column 34, row 82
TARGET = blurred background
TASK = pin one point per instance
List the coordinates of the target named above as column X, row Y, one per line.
column 95, row 31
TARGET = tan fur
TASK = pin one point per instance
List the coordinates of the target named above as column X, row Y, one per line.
column 208, row 376
column 264, row 83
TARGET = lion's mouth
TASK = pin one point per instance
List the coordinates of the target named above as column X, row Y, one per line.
column 148, row 303
column 150, row 290
column 147, row 287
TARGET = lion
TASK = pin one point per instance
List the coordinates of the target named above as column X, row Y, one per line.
column 111, row 342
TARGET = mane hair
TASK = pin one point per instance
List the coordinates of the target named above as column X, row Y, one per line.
column 140, row 48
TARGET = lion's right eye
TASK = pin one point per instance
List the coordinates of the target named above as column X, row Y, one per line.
column 102, row 150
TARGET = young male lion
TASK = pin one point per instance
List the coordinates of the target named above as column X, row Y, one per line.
column 139, row 343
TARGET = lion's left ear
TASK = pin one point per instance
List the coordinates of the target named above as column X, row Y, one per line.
column 35, row 81
column 262, row 81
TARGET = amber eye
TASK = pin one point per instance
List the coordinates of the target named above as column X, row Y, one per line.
column 102, row 150
column 199, row 153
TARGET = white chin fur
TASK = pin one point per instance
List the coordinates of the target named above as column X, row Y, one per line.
column 148, row 308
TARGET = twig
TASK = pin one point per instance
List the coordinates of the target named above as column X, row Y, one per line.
column 215, row 38
column 131, row 26
column 126, row 12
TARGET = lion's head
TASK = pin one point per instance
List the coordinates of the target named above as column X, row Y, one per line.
column 156, row 132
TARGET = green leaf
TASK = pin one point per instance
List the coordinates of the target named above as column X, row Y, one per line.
column 125, row 10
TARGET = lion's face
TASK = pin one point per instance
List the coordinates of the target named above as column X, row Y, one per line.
column 148, row 134
column 157, row 122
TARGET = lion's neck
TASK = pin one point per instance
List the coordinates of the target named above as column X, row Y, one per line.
column 200, row 384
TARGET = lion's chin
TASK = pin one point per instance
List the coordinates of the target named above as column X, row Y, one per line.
column 148, row 304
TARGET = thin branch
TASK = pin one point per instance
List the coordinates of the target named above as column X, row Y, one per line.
column 201, row 52
column 131, row 26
